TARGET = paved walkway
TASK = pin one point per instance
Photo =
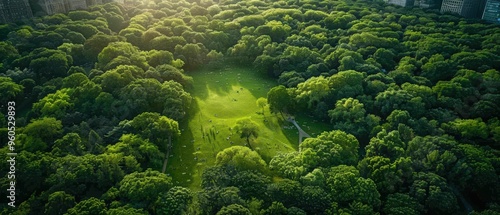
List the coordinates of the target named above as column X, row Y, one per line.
column 302, row 133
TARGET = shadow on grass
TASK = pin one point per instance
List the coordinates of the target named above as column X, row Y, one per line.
column 219, row 81
column 273, row 122
column 182, row 161
column 222, row 80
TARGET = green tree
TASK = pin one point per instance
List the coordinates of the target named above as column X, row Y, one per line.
column 115, row 20
column 90, row 206
column 194, row 54
column 247, row 129
column 156, row 58
column 50, row 64
column 167, row 43
column 290, row 79
column 160, row 130
column 166, row 128
column 76, row 174
column 330, row 149
column 286, row 191
column 482, row 178
column 348, row 187
column 71, row 143
column 314, row 178
column 387, row 175
column 177, row 101
column 55, row 105
column 119, row 53
column 350, row 116
column 173, row 202
column 386, row 144
column 279, row 100
column 81, row 14
column 143, row 95
column 401, row 204
column 151, row 184
column 250, row 46
column 144, row 152
column 217, row 176
column 59, row 202
column 114, row 80
column 391, row 100
column 262, row 103
column 127, row 210
column 166, row 72
column 234, row 209
column 8, row 52
column 46, row 129
column 437, row 154
column 276, row 208
column 213, row 200
column 433, row 192
column 346, row 84
column 288, row 165
column 9, row 89
column 312, row 91
column 75, row 80
column 252, row 184
column 468, row 128
column 386, row 58
column 242, row 158
column 275, row 29
column 437, row 68
column 95, row 44
column 314, row 199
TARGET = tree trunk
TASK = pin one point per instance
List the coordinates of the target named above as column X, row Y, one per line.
column 169, row 146
column 248, row 142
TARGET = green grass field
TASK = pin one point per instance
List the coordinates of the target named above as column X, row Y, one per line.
column 222, row 97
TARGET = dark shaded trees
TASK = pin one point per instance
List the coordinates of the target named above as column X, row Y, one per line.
column 279, row 100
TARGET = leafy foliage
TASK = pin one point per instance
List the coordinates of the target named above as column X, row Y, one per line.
column 408, row 100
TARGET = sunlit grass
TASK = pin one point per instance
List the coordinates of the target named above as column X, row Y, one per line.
column 222, row 97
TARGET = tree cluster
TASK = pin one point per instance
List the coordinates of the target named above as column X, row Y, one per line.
column 412, row 99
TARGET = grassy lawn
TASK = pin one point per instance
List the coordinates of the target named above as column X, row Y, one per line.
column 222, row 97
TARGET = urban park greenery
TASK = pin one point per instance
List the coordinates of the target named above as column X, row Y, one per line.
column 187, row 107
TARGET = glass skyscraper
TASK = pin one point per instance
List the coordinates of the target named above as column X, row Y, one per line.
column 492, row 11
column 14, row 10
column 466, row 8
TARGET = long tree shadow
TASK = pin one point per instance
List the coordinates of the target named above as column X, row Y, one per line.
column 222, row 80
column 219, row 81
column 181, row 161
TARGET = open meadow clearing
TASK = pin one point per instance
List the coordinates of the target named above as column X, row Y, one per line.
column 221, row 98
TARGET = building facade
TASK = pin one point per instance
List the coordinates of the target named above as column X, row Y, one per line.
column 76, row 5
column 466, row 8
column 64, row 6
column 432, row 4
column 93, row 2
column 14, row 10
column 492, row 11
column 53, row 6
column 404, row 3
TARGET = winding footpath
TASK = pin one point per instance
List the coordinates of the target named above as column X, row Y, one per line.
column 302, row 133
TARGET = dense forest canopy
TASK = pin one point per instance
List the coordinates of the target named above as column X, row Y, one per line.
column 411, row 99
